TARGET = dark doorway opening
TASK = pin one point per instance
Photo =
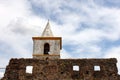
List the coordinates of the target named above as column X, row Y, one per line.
column 46, row 48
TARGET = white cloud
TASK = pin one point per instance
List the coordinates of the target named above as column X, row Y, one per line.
column 10, row 10
column 64, row 54
column 103, row 23
column 1, row 74
column 114, row 52
column 3, row 63
column 18, row 24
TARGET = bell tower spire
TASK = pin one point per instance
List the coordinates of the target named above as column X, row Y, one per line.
column 47, row 31
column 47, row 46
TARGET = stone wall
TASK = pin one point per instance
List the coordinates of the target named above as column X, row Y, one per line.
column 62, row 69
column 45, row 57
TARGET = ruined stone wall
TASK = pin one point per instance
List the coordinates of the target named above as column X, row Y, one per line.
column 62, row 69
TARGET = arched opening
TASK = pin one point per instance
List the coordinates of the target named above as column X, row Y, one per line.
column 46, row 48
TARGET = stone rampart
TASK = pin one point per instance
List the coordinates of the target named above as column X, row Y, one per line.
column 62, row 69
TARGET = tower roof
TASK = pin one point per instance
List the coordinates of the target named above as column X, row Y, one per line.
column 47, row 31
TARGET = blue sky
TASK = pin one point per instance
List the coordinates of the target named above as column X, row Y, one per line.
column 89, row 28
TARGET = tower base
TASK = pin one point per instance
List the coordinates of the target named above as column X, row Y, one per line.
column 45, row 57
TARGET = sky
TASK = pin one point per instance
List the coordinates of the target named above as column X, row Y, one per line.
column 89, row 28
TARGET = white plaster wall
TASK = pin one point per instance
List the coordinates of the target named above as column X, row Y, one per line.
column 38, row 46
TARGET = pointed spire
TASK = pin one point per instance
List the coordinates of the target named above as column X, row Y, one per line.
column 47, row 31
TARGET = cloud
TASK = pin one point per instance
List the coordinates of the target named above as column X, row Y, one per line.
column 83, row 25
column 114, row 52
column 9, row 10
column 64, row 54
column 9, row 13
column 1, row 74
column 108, row 3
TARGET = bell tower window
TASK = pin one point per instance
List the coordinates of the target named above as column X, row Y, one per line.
column 46, row 48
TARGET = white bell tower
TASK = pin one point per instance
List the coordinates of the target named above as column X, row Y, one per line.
column 47, row 46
